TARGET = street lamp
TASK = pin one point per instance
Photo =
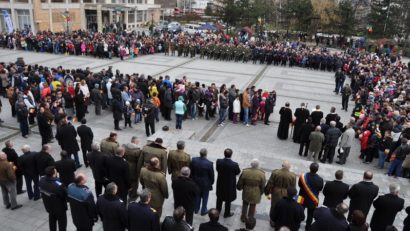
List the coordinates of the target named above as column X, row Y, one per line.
column 66, row 16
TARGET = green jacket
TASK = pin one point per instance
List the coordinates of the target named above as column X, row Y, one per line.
column 176, row 160
column 109, row 146
column 252, row 182
column 155, row 181
column 153, row 150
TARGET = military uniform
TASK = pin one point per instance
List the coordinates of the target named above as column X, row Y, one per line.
column 109, row 146
column 153, row 150
column 252, row 183
column 176, row 160
column 155, row 181
column 278, row 184
column 132, row 155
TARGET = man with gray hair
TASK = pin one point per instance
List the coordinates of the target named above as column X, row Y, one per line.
column 28, row 166
column 316, row 139
column 202, row 172
column 178, row 159
column 111, row 209
column 331, row 138
column 345, row 143
column 96, row 159
column 252, row 183
column 141, row 216
column 279, row 182
column 186, row 192
column 8, row 183
column 386, row 208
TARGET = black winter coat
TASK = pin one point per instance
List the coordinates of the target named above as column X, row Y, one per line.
column 97, row 162
column 386, row 209
column 226, row 182
column 43, row 160
column 185, row 192
column 86, row 135
column 118, row 171
column 66, row 136
column 361, row 196
column 112, row 213
column 335, row 192
column 66, row 168
column 117, row 109
column 141, row 217
column 27, row 163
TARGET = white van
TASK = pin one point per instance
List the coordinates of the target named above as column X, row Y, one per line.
column 191, row 28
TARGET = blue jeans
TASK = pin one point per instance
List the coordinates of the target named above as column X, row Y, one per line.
column 204, row 196
column 382, row 158
column 246, row 115
column 179, row 121
column 395, row 168
column 193, row 111
column 222, row 112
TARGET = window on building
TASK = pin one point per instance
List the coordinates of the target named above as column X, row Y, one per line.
column 21, row 1
column 140, row 15
column 57, row 1
column 23, row 19
column 131, row 16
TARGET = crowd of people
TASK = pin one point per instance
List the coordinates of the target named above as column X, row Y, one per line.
column 122, row 169
column 213, row 46
column 379, row 88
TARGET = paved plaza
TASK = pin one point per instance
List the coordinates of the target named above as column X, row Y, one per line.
column 294, row 85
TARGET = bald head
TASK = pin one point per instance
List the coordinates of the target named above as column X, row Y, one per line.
column 154, row 162
column 286, row 164
column 368, row 175
column 3, row 156
column 318, row 128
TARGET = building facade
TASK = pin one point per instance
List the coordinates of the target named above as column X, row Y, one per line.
column 63, row 15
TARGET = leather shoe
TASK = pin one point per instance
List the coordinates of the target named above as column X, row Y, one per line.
column 16, row 207
column 21, row 192
column 8, row 206
column 228, row 215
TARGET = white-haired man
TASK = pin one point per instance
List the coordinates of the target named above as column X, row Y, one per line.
column 386, row 208
column 28, row 166
column 252, row 183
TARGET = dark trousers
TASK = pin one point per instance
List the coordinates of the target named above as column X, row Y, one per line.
column 302, row 145
column 309, row 218
column 19, row 183
column 227, row 206
column 189, row 216
column 24, row 127
column 167, row 113
column 148, row 125
column 267, row 114
column 116, row 123
column 33, row 191
column 60, row 218
column 179, row 118
column 345, row 102
column 84, row 228
column 98, row 187
column 31, row 117
column 85, row 149
column 329, row 154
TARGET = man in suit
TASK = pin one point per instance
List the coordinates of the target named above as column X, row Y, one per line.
column 252, row 183
column 330, row 218
column 66, row 168
column 335, row 191
column 111, row 209
column 213, row 224
column 226, row 182
column 118, row 172
column 87, row 136
column 96, row 159
column 279, row 182
column 316, row 140
column 27, row 163
column 316, row 115
column 386, row 208
column 185, row 192
column 288, row 212
column 141, row 217
column 202, row 172
column 362, row 195
column 301, row 114
column 331, row 138
column 66, row 136
column 44, row 159
column 310, row 186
